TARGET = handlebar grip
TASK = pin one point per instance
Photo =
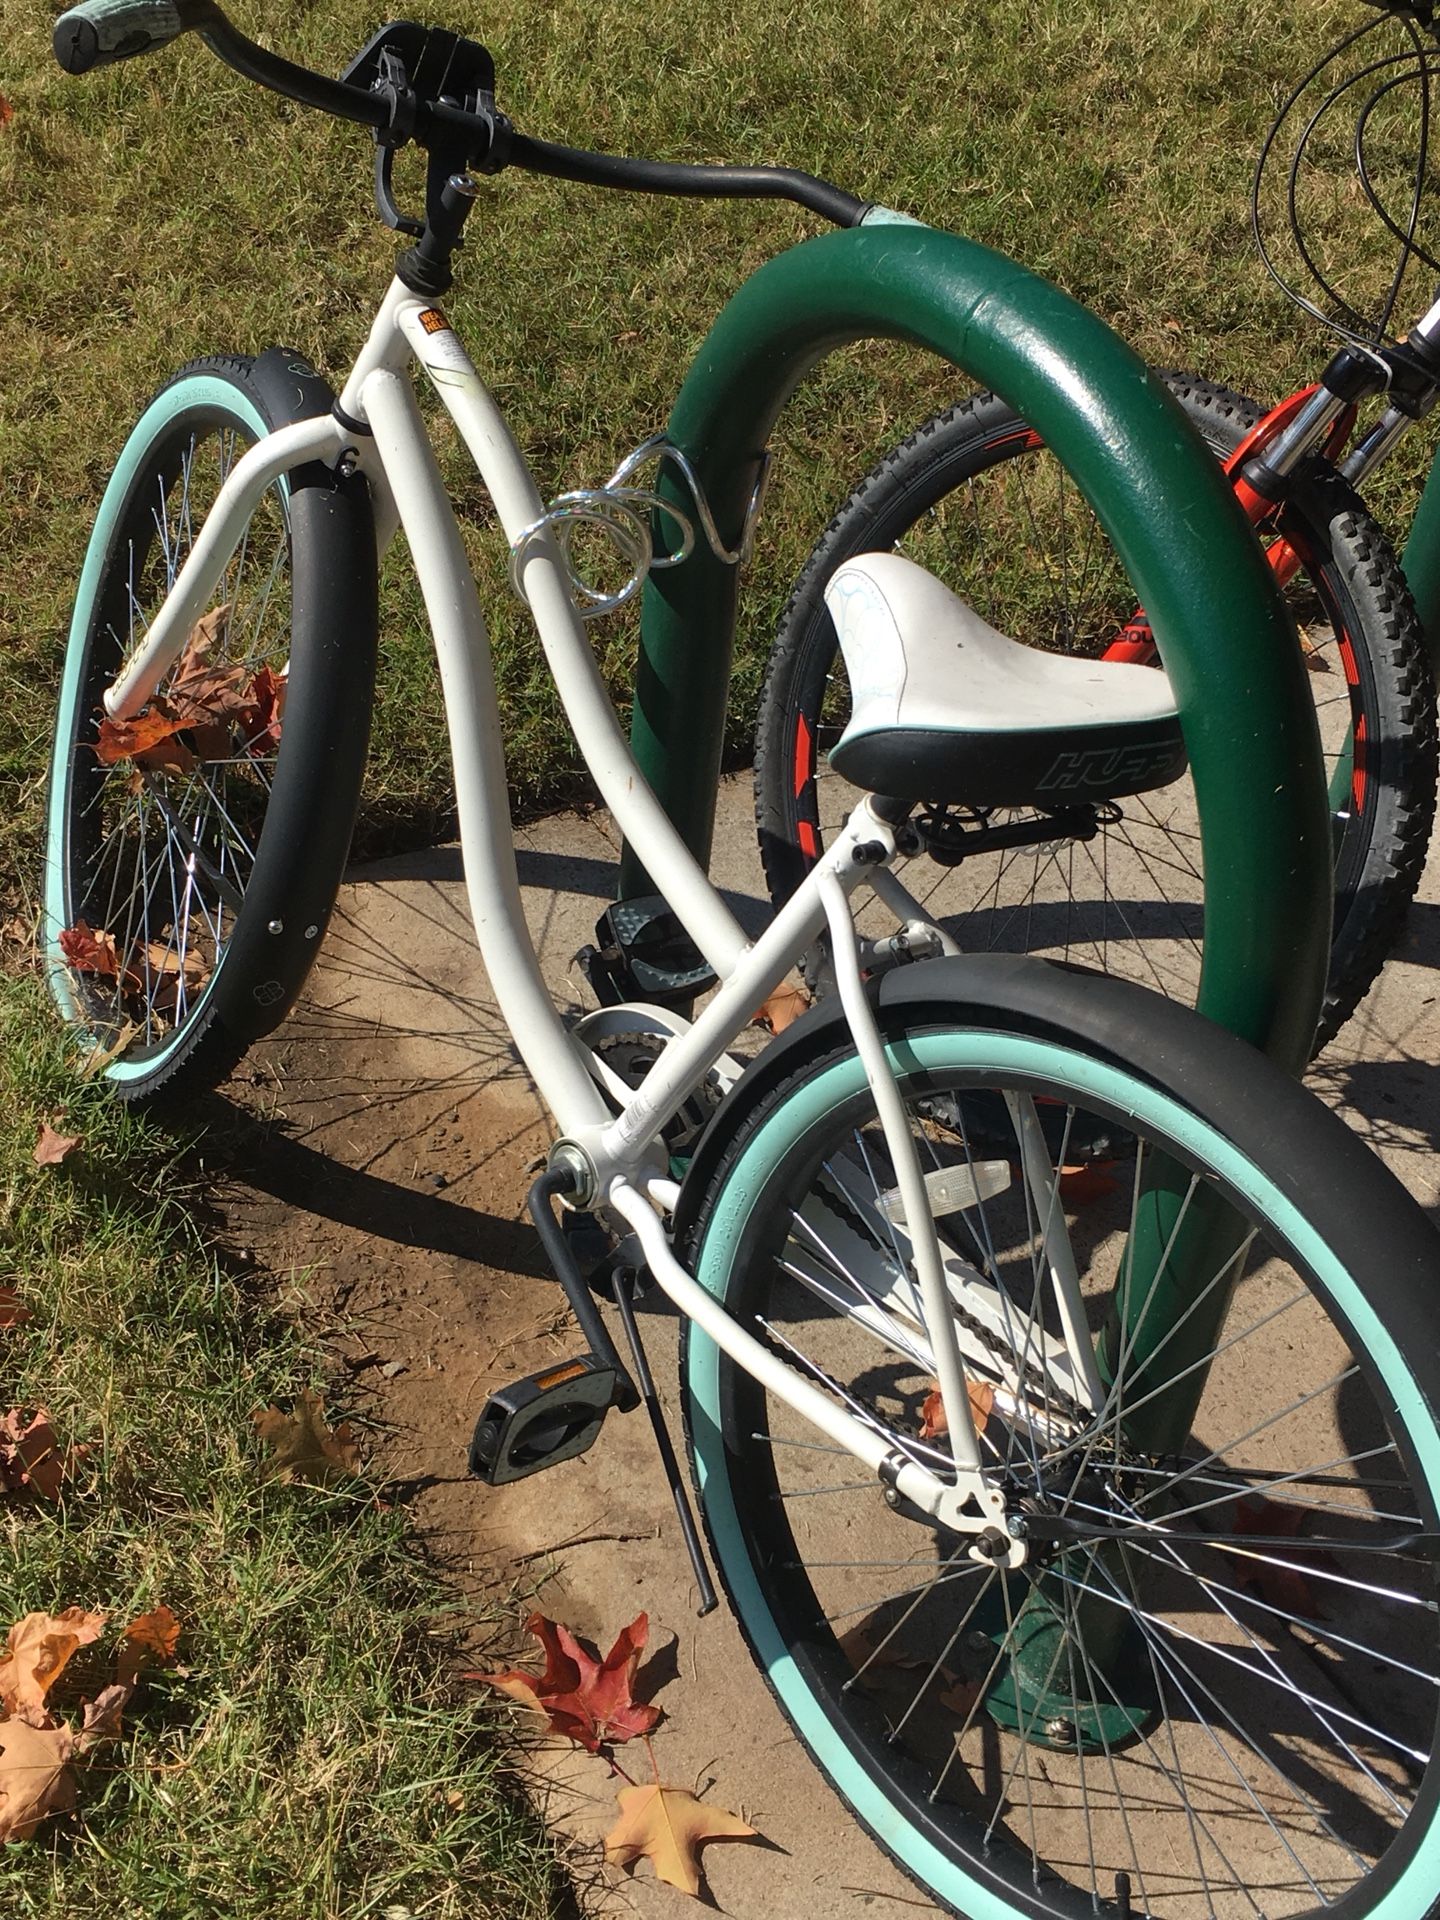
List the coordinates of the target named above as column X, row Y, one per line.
column 99, row 32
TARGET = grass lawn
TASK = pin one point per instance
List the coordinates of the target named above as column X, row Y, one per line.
column 305, row 1759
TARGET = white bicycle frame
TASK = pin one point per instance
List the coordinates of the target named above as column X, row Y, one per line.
column 622, row 1155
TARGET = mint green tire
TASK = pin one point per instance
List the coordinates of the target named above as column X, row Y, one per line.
column 1212, row 1688
column 190, row 873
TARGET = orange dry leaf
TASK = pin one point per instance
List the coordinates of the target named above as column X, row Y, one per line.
column 7, row 112
column 1081, row 1186
column 52, row 1147
column 148, row 739
column 265, row 712
column 587, row 1699
column 150, row 1640
column 102, row 1716
column 38, row 1650
column 303, row 1446
column 933, row 1422
column 959, row 1697
column 1285, row 1587
column 669, row 1825
column 36, row 1778
column 782, row 1009
column 90, row 952
column 31, row 1457
column 12, row 1313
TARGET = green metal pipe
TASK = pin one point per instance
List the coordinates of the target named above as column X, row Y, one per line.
column 1422, row 563
column 1224, row 634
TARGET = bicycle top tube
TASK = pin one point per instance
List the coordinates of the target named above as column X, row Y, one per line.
column 428, row 86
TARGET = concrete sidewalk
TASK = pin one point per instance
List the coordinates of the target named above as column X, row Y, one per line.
column 391, row 1186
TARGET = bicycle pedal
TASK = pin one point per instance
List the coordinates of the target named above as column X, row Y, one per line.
column 542, row 1419
column 643, row 953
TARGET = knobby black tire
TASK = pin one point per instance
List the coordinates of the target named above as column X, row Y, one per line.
column 210, row 866
column 1319, row 1388
column 1375, row 663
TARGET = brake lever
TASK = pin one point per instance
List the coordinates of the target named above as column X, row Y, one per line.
column 385, row 193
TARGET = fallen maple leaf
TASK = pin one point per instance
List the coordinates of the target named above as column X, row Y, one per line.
column 782, row 1009
column 100, row 1055
column 1285, row 1587
column 586, row 1699
column 933, row 1422
column 148, row 739
column 150, row 1640
column 31, row 1457
column 90, row 952
column 12, row 1312
column 959, row 1697
column 38, row 1649
column 102, row 1716
column 265, row 712
column 668, row 1825
column 36, row 1778
column 7, row 112
column 52, row 1147
column 1082, row 1185
column 304, row 1447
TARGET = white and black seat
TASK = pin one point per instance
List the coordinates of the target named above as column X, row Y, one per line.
column 945, row 708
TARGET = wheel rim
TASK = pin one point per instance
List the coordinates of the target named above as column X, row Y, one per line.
column 1302, row 1743
column 159, row 846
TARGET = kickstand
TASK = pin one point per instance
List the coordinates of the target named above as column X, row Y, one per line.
column 620, row 1282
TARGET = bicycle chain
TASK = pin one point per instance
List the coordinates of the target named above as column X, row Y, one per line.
column 1030, row 1375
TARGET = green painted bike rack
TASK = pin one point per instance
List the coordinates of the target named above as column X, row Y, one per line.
column 1226, row 640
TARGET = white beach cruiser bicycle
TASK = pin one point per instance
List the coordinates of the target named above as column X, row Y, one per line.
column 1059, row 1378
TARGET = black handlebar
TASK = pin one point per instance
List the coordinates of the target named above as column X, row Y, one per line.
column 100, row 32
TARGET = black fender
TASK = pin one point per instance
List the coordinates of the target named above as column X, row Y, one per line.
column 1168, row 1044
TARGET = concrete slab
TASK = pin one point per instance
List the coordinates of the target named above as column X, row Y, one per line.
column 385, row 1136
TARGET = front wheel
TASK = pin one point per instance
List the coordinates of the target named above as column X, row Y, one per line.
column 192, row 856
column 1216, row 1693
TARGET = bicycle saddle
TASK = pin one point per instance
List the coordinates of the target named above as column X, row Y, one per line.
column 947, row 709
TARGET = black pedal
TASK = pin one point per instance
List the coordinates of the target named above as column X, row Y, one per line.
column 541, row 1420
column 643, row 953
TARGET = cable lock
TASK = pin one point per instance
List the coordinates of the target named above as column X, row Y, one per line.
column 622, row 513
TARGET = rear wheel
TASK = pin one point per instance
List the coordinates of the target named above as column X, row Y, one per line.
column 1228, row 1706
column 975, row 497
column 192, row 856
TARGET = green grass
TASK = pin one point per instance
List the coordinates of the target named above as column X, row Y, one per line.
column 308, row 1759
column 165, row 209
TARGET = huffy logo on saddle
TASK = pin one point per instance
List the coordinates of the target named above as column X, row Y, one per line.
column 1103, row 767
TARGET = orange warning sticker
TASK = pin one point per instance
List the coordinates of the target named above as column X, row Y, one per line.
column 433, row 321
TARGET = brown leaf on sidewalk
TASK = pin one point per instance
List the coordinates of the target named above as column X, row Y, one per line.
column 933, row 1422
column 1285, row 1585
column 13, row 1312
column 52, row 1147
column 668, row 1826
column 782, row 1009
column 38, row 1648
column 587, row 1699
column 303, row 1447
column 36, row 1778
